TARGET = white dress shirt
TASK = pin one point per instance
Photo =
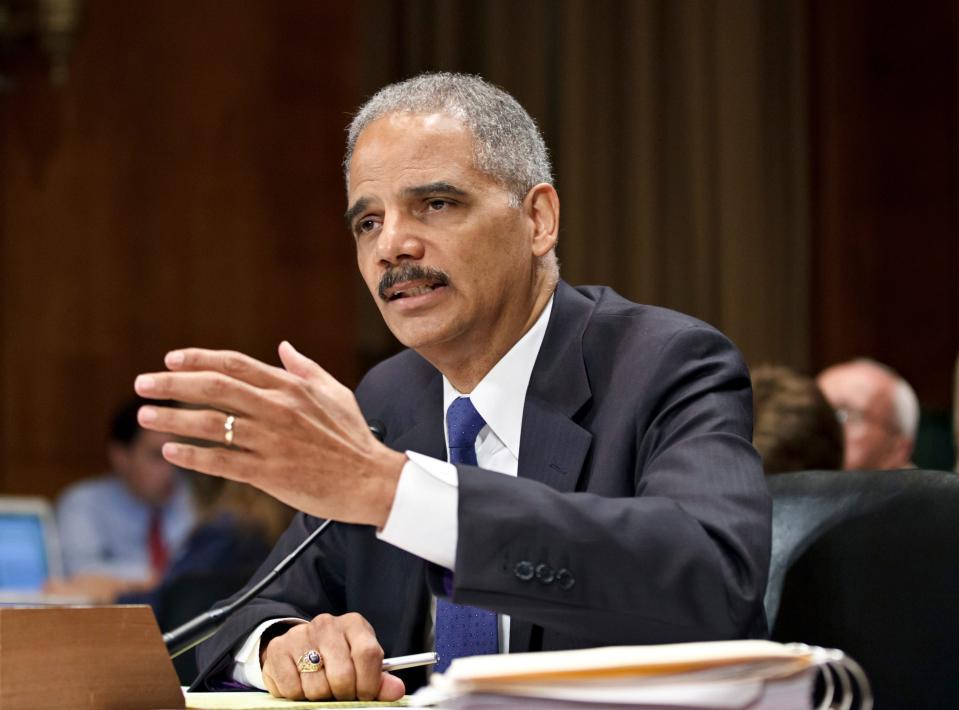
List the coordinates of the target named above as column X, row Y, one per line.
column 423, row 519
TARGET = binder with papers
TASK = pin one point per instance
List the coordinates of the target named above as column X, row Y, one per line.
column 721, row 675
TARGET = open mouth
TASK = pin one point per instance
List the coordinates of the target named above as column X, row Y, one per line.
column 410, row 289
column 409, row 281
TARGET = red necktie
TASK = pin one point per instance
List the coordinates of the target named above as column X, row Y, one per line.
column 158, row 551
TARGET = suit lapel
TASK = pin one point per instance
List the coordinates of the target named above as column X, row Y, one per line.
column 425, row 434
column 553, row 447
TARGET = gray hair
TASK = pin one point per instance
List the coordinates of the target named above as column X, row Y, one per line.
column 907, row 408
column 507, row 145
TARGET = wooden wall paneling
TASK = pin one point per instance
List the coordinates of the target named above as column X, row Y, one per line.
column 760, row 178
column 885, row 183
column 677, row 130
column 183, row 188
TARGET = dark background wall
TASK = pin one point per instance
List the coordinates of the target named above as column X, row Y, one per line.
column 181, row 188
column 885, row 187
column 787, row 171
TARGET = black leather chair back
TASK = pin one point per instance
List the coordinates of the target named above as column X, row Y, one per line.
column 868, row 562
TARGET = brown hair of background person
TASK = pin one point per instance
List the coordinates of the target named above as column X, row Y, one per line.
column 795, row 428
column 257, row 511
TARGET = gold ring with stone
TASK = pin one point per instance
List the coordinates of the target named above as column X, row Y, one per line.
column 310, row 662
column 228, row 430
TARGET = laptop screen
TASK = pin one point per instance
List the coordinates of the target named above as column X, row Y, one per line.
column 23, row 554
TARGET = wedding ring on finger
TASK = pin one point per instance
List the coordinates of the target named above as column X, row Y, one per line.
column 310, row 662
column 228, row 430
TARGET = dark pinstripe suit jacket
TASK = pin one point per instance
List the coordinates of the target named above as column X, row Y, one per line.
column 639, row 515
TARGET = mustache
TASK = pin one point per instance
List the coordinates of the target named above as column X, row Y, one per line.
column 410, row 272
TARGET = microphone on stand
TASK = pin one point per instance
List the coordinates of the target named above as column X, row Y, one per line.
column 200, row 628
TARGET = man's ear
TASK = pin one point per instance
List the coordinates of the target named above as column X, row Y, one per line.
column 541, row 206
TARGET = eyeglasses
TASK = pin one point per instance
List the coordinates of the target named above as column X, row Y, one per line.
column 850, row 416
column 857, row 417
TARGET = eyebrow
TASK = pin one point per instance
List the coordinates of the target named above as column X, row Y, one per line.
column 431, row 188
column 358, row 206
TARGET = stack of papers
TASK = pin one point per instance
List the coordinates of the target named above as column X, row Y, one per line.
column 758, row 675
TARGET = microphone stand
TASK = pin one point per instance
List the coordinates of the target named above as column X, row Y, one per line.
column 200, row 628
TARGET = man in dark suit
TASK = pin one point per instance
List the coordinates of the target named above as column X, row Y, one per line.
column 593, row 483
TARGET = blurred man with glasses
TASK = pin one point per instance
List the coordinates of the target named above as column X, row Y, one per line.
column 879, row 412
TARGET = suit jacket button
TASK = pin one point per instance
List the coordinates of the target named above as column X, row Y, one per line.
column 565, row 579
column 524, row 570
column 545, row 573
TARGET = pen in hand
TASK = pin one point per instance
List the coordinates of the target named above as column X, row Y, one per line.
column 417, row 659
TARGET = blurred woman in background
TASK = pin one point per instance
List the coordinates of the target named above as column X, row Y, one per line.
column 237, row 526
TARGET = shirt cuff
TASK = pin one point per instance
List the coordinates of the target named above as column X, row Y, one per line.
column 423, row 519
column 247, row 668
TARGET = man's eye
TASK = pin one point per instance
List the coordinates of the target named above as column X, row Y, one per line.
column 438, row 204
column 365, row 225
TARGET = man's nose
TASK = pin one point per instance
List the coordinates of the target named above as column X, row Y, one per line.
column 399, row 239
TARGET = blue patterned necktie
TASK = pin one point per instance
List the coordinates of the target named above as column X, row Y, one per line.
column 463, row 630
